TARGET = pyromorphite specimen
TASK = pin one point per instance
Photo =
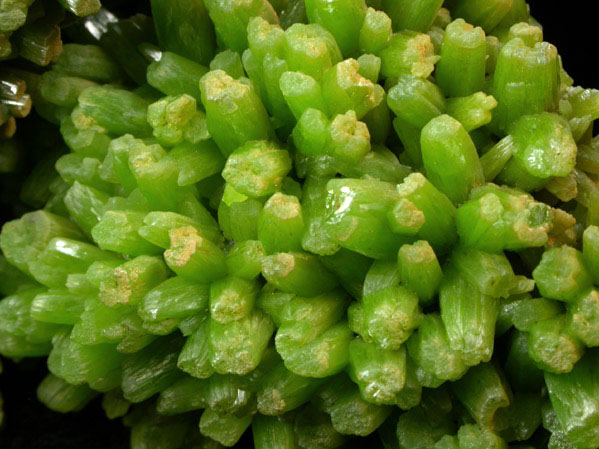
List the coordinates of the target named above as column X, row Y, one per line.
column 304, row 222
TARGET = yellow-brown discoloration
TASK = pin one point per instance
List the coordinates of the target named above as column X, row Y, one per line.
column 271, row 403
column 283, row 207
column 220, row 88
column 408, row 215
column 282, row 264
column 185, row 242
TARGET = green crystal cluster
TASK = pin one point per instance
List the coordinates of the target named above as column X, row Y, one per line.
column 319, row 219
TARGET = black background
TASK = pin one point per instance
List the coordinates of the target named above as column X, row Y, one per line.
column 571, row 26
